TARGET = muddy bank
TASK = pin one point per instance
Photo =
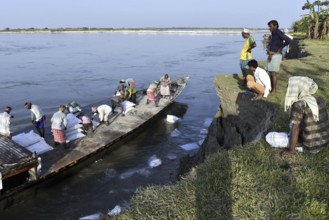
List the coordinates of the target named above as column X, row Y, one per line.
column 239, row 120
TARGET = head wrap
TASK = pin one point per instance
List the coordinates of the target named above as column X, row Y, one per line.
column 301, row 88
column 246, row 31
column 94, row 109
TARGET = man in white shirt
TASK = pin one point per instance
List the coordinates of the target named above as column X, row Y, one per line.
column 58, row 126
column 103, row 112
column 37, row 117
column 260, row 82
column 5, row 122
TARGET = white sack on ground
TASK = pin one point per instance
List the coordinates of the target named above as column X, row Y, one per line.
column 279, row 140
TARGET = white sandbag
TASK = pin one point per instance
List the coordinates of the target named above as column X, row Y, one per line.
column 280, row 140
column 115, row 211
column 75, row 136
column 154, row 161
column 127, row 104
column 203, row 131
column 133, row 171
column 171, row 156
column 97, row 216
column 70, row 132
column 74, row 127
column 277, row 139
column 39, row 147
column 172, row 118
column 190, row 146
column 27, row 139
column 175, row 133
column 207, row 122
column 72, row 120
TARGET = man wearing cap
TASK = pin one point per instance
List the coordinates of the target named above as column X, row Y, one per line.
column 5, row 122
column 37, row 117
column 103, row 112
column 58, row 126
column 245, row 55
column 278, row 41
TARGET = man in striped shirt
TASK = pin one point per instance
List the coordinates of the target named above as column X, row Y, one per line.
column 308, row 116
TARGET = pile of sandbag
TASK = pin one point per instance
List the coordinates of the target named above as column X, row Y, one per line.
column 74, row 128
column 32, row 142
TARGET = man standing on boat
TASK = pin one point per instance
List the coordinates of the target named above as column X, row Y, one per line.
column 37, row 117
column 58, row 126
column 103, row 112
column 5, row 122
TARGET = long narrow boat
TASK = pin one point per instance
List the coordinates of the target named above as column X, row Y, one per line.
column 105, row 138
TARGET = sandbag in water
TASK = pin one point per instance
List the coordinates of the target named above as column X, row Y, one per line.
column 207, row 122
column 175, row 133
column 96, row 216
column 115, row 211
column 203, row 131
column 171, row 156
column 154, row 161
column 190, row 146
column 172, row 118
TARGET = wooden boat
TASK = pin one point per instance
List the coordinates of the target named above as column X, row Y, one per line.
column 104, row 138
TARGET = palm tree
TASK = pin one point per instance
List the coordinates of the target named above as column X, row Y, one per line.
column 317, row 18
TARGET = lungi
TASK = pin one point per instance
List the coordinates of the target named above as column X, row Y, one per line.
column 151, row 96
column 59, row 136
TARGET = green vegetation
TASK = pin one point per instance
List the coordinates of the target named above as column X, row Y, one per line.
column 251, row 181
column 316, row 23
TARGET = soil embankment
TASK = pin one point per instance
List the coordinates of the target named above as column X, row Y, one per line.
column 239, row 120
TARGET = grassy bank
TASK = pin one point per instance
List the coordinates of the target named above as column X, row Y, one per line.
column 251, row 181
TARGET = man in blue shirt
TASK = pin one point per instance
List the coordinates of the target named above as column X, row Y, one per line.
column 278, row 41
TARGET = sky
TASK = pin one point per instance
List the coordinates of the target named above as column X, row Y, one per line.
column 148, row 13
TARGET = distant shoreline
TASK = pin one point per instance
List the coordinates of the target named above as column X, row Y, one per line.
column 134, row 30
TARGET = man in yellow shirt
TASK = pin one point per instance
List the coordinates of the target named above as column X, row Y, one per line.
column 245, row 55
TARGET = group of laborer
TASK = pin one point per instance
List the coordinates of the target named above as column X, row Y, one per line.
column 125, row 91
column 308, row 114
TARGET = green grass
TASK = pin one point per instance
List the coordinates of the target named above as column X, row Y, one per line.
column 251, row 181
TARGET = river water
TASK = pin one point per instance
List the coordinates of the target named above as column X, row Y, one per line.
column 52, row 69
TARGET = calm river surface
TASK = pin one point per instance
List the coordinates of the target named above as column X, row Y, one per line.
column 53, row 69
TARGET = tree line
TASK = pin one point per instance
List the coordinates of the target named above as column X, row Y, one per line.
column 316, row 23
